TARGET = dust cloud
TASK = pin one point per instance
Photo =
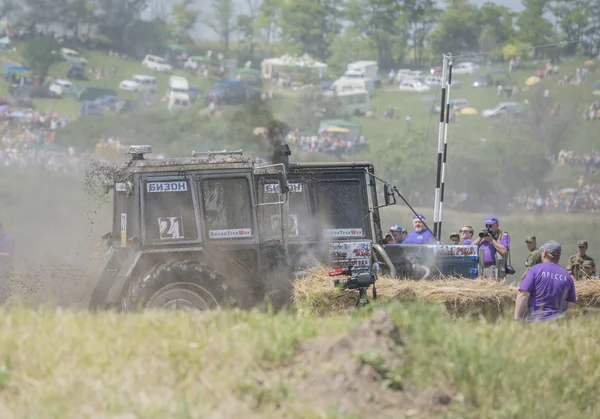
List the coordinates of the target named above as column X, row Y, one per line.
column 57, row 220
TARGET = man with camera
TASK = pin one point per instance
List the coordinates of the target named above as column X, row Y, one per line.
column 494, row 247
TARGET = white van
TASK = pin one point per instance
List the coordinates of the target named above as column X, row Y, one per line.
column 354, row 102
column 179, row 84
column 145, row 83
column 156, row 63
column 178, row 101
column 345, row 83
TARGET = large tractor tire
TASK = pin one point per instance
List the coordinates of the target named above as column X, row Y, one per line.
column 185, row 285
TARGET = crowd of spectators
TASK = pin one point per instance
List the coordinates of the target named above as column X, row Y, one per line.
column 589, row 161
column 328, row 142
column 587, row 198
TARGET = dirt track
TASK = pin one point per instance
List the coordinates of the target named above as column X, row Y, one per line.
column 56, row 224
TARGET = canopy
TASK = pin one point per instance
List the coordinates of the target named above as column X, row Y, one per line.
column 337, row 129
column 532, row 80
column 18, row 68
column 177, row 47
column 304, row 61
column 5, row 40
column 247, row 70
column 468, row 111
column 338, row 123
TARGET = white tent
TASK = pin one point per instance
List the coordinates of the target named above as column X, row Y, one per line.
column 5, row 40
column 287, row 60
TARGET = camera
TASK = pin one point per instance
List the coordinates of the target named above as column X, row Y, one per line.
column 360, row 279
column 485, row 232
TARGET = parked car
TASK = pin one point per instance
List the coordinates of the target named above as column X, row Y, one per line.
column 465, row 68
column 231, row 91
column 61, row 87
column 503, row 108
column 456, row 104
column 413, row 86
column 437, row 81
column 156, row 63
column 483, row 81
column 72, row 56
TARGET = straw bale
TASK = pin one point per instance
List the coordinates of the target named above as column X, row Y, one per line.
column 315, row 293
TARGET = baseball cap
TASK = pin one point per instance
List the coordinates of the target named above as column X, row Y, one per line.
column 582, row 243
column 396, row 227
column 552, row 247
column 421, row 216
column 455, row 235
column 491, row 219
column 530, row 239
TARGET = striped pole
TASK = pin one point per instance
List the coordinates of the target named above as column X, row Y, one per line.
column 449, row 59
column 438, row 179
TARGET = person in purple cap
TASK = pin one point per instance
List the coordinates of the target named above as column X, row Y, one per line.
column 420, row 234
column 547, row 290
column 495, row 244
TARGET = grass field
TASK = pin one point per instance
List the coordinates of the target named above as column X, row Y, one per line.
column 234, row 364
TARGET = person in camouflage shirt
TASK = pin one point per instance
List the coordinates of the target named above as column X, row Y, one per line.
column 588, row 267
column 535, row 256
column 575, row 265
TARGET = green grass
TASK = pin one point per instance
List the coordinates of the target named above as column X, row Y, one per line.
column 234, row 364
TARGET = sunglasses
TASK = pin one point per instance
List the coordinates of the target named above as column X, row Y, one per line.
column 465, row 231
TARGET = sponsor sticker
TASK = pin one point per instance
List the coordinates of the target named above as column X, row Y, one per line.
column 274, row 187
column 226, row 234
column 343, row 232
column 175, row 186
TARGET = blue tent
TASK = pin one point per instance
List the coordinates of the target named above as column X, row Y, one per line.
column 17, row 68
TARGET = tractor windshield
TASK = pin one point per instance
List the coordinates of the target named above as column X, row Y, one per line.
column 169, row 211
column 340, row 210
column 299, row 224
column 227, row 208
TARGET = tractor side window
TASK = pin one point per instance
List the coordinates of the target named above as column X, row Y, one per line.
column 227, row 208
column 169, row 211
column 340, row 211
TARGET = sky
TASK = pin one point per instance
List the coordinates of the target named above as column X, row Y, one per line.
column 159, row 7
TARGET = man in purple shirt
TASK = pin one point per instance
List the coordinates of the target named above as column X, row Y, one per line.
column 420, row 235
column 547, row 290
column 494, row 244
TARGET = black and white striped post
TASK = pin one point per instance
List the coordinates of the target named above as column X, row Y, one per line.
column 445, row 154
column 442, row 147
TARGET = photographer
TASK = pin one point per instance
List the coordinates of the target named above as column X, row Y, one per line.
column 495, row 246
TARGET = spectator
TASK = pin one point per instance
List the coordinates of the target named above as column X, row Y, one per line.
column 547, row 291
column 588, row 267
column 420, row 235
column 466, row 233
column 496, row 245
column 574, row 267
column 398, row 233
column 535, row 256
column 454, row 238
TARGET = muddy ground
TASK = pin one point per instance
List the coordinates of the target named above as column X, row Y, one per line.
column 57, row 221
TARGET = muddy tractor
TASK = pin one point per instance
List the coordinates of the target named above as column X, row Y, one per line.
column 186, row 233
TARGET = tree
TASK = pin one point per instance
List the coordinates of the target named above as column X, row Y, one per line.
column 115, row 16
column 573, row 19
column 382, row 22
column 268, row 18
column 312, row 107
column 40, row 54
column 222, row 21
column 500, row 19
column 458, row 30
column 421, row 16
column 79, row 12
column 351, row 45
column 7, row 8
column 311, row 25
column 247, row 27
column 534, row 29
column 183, row 19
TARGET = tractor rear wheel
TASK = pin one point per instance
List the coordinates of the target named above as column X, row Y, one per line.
column 180, row 285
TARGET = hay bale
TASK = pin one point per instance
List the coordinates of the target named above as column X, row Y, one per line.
column 588, row 293
column 316, row 294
